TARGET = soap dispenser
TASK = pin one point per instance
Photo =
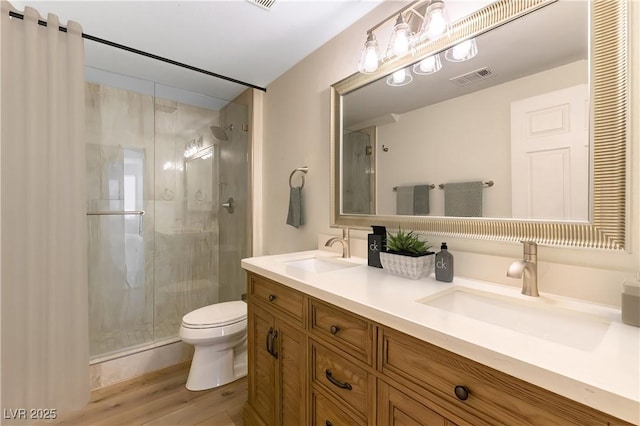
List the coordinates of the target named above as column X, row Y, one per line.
column 444, row 264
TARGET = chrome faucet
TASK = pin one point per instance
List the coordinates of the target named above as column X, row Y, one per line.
column 346, row 249
column 528, row 266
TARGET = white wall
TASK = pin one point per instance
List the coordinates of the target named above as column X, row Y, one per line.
column 431, row 145
column 297, row 132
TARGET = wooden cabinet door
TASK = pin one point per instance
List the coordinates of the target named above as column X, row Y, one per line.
column 398, row 409
column 262, row 364
column 277, row 385
column 292, row 384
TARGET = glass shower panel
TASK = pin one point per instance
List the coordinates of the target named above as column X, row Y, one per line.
column 119, row 135
column 201, row 162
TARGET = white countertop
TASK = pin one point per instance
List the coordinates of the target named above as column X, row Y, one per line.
column 605, row 377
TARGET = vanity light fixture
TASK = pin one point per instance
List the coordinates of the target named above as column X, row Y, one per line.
column 403, row 40
column 462, row 51
column 433, row 25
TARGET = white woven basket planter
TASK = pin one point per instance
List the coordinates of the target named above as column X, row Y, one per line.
column 407, row 266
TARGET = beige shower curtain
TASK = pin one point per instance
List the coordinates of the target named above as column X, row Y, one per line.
column 45, row 349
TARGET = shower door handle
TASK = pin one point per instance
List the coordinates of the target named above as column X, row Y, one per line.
column 229, row 205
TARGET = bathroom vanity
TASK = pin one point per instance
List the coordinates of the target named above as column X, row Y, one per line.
column 332, row 341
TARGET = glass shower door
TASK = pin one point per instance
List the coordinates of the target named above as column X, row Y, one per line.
column 120, row 289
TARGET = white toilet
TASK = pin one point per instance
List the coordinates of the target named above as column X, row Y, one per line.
column 219, row 334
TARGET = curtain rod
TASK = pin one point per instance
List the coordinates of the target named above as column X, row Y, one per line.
column 147, row 54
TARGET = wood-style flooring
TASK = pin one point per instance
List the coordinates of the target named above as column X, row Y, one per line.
column 160, row 398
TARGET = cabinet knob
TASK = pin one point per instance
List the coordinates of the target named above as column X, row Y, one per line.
column 462, row 392
column 334, row 329
column 328, row 423
column 272, row 297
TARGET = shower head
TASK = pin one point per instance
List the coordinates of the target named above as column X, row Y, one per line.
column 220, row 132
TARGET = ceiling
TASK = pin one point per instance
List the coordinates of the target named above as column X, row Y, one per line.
column 234, row 38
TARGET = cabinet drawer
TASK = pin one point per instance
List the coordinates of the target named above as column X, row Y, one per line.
column 343, row 329
column 326, row 413
column 397, row 408
column 341, row 378
column 493, row 397
column 278, row 295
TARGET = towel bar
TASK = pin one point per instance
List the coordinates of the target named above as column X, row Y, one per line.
column 486, row 184
column 116, row 213
column 304, row 171
column 431, row 186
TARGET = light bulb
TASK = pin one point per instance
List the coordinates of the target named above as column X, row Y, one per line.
column 369, row 59
column 428, row 65
column 435, row 22
column 438, row 24
column 462, row 51
column 399, row 76
column 401, row 43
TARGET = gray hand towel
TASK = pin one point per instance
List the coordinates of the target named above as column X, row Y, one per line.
column 421, row 200
column 463, row 199
column 294, row 217
column 404, row 200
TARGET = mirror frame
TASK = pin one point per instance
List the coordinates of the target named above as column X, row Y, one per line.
column 609, row 130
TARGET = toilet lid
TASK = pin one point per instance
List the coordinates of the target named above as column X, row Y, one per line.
column 217, row 315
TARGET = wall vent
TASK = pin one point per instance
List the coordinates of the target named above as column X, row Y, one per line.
column 265, row 4
column 472, row 77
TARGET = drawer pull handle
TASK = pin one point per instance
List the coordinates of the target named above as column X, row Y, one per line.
column 272, row 297
column 334, row 329
column 338, row 383
column 462, row 392
column 328, row 423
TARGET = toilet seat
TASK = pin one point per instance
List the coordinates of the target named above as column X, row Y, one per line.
column 218, row 315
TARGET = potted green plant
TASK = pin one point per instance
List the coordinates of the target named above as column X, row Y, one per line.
column 407, row 255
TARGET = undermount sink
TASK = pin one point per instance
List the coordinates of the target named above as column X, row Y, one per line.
column 539, row 317
column 319, row 265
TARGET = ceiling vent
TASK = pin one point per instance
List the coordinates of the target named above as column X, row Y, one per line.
column 265, row 4
column 471, row 77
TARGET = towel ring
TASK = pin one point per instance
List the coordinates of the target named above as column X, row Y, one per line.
column 304, row 171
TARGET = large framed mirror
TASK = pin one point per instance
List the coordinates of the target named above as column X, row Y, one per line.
column 533, row 131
